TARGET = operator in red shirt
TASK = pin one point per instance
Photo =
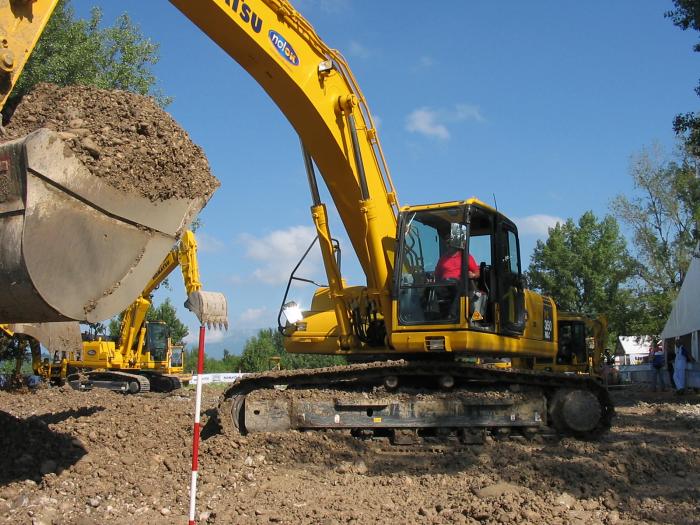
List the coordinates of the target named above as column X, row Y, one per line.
column 449, row 266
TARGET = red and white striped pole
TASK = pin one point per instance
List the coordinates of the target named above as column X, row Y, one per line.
column 195, row 437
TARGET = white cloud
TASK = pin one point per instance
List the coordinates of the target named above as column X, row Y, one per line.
column 469, row 112
column 434, row 122
column 426, row 61
column 209, row 244
column 423, row 63
column 425, row 122
column 251, row 315
column 210, row 336
column 235, row 279
column 358, row 50
column 537, row 225
column 279, row 251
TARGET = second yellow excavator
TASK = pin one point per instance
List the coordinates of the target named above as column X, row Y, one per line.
column 143, row 357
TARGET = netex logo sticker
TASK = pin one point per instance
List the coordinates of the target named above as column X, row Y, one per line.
column 283, row 47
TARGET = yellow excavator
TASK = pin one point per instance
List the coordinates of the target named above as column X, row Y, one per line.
column 582, row 340
column 581, row 347
column 142, row 358
column 411, row 323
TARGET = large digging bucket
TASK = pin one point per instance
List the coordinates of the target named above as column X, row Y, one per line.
column 71, row 246
column 55, row 337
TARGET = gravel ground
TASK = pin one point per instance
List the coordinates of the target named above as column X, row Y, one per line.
column 102, row 457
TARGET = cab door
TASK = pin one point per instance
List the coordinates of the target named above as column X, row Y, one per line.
column 511, row 295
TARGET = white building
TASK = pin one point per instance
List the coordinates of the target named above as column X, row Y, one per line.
column 632, row 349
column 684, row 321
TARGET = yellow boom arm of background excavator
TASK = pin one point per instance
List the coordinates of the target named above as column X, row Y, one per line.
column 5, row 330
column 21, row 25
column 132, row 328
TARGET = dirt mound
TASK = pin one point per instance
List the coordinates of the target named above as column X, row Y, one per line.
column 102, row 457
column 124, row 138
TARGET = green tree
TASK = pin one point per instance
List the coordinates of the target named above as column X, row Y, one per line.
column 662, row 216
column 166, row 312
column 269, row 343
column 259, row 349
column 584, row 267
column 231, row 362
column 686, row 15
column 76, row 51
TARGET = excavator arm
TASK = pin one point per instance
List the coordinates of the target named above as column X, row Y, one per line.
column 132, row 329
column 314, row 88
column 21, row 25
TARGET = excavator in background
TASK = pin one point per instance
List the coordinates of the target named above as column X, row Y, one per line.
column 142, row 358
column 412, row 322
column 582, row 341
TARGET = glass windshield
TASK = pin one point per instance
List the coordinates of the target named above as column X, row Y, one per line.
column 572, row 342
column 432, row 266
column 157, row 340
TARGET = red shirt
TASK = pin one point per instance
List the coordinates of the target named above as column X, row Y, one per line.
column 450, row 266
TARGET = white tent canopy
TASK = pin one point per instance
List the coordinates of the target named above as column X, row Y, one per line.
column 685, row 315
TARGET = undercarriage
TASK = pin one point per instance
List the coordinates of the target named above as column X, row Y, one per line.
column 408, row 401
column 133, row 382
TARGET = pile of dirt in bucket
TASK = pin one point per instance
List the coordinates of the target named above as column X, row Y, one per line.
column 124, row 138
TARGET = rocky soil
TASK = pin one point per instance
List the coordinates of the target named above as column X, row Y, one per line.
column 102, row 457
column 124, row 138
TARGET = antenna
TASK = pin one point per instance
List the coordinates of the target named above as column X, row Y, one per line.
column 495, row 202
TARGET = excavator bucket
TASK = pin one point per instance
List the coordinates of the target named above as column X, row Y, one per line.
column 55, row 337
column 71, row 246
column 210, row 308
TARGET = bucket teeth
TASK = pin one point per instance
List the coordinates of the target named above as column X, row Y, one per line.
column 210, row 308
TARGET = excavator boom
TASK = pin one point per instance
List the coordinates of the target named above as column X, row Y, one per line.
column 315, row 90
column 21, row 24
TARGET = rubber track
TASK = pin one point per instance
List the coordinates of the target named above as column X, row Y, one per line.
column 374, row 373
column 144, row 384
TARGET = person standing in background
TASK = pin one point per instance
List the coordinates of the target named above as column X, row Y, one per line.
column 670, row 359
column 683, row 357
column 658, row 360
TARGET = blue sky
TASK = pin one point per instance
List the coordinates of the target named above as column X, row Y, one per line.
column 538, row 103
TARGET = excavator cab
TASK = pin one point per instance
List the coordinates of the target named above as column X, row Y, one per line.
column 157, row 340
column 459, row 265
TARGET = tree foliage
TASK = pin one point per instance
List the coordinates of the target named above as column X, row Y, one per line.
column 259, row 351
column 662, row 216
column 229, row 362
column 77, row 51
column 686, row 15
column 584, row 266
